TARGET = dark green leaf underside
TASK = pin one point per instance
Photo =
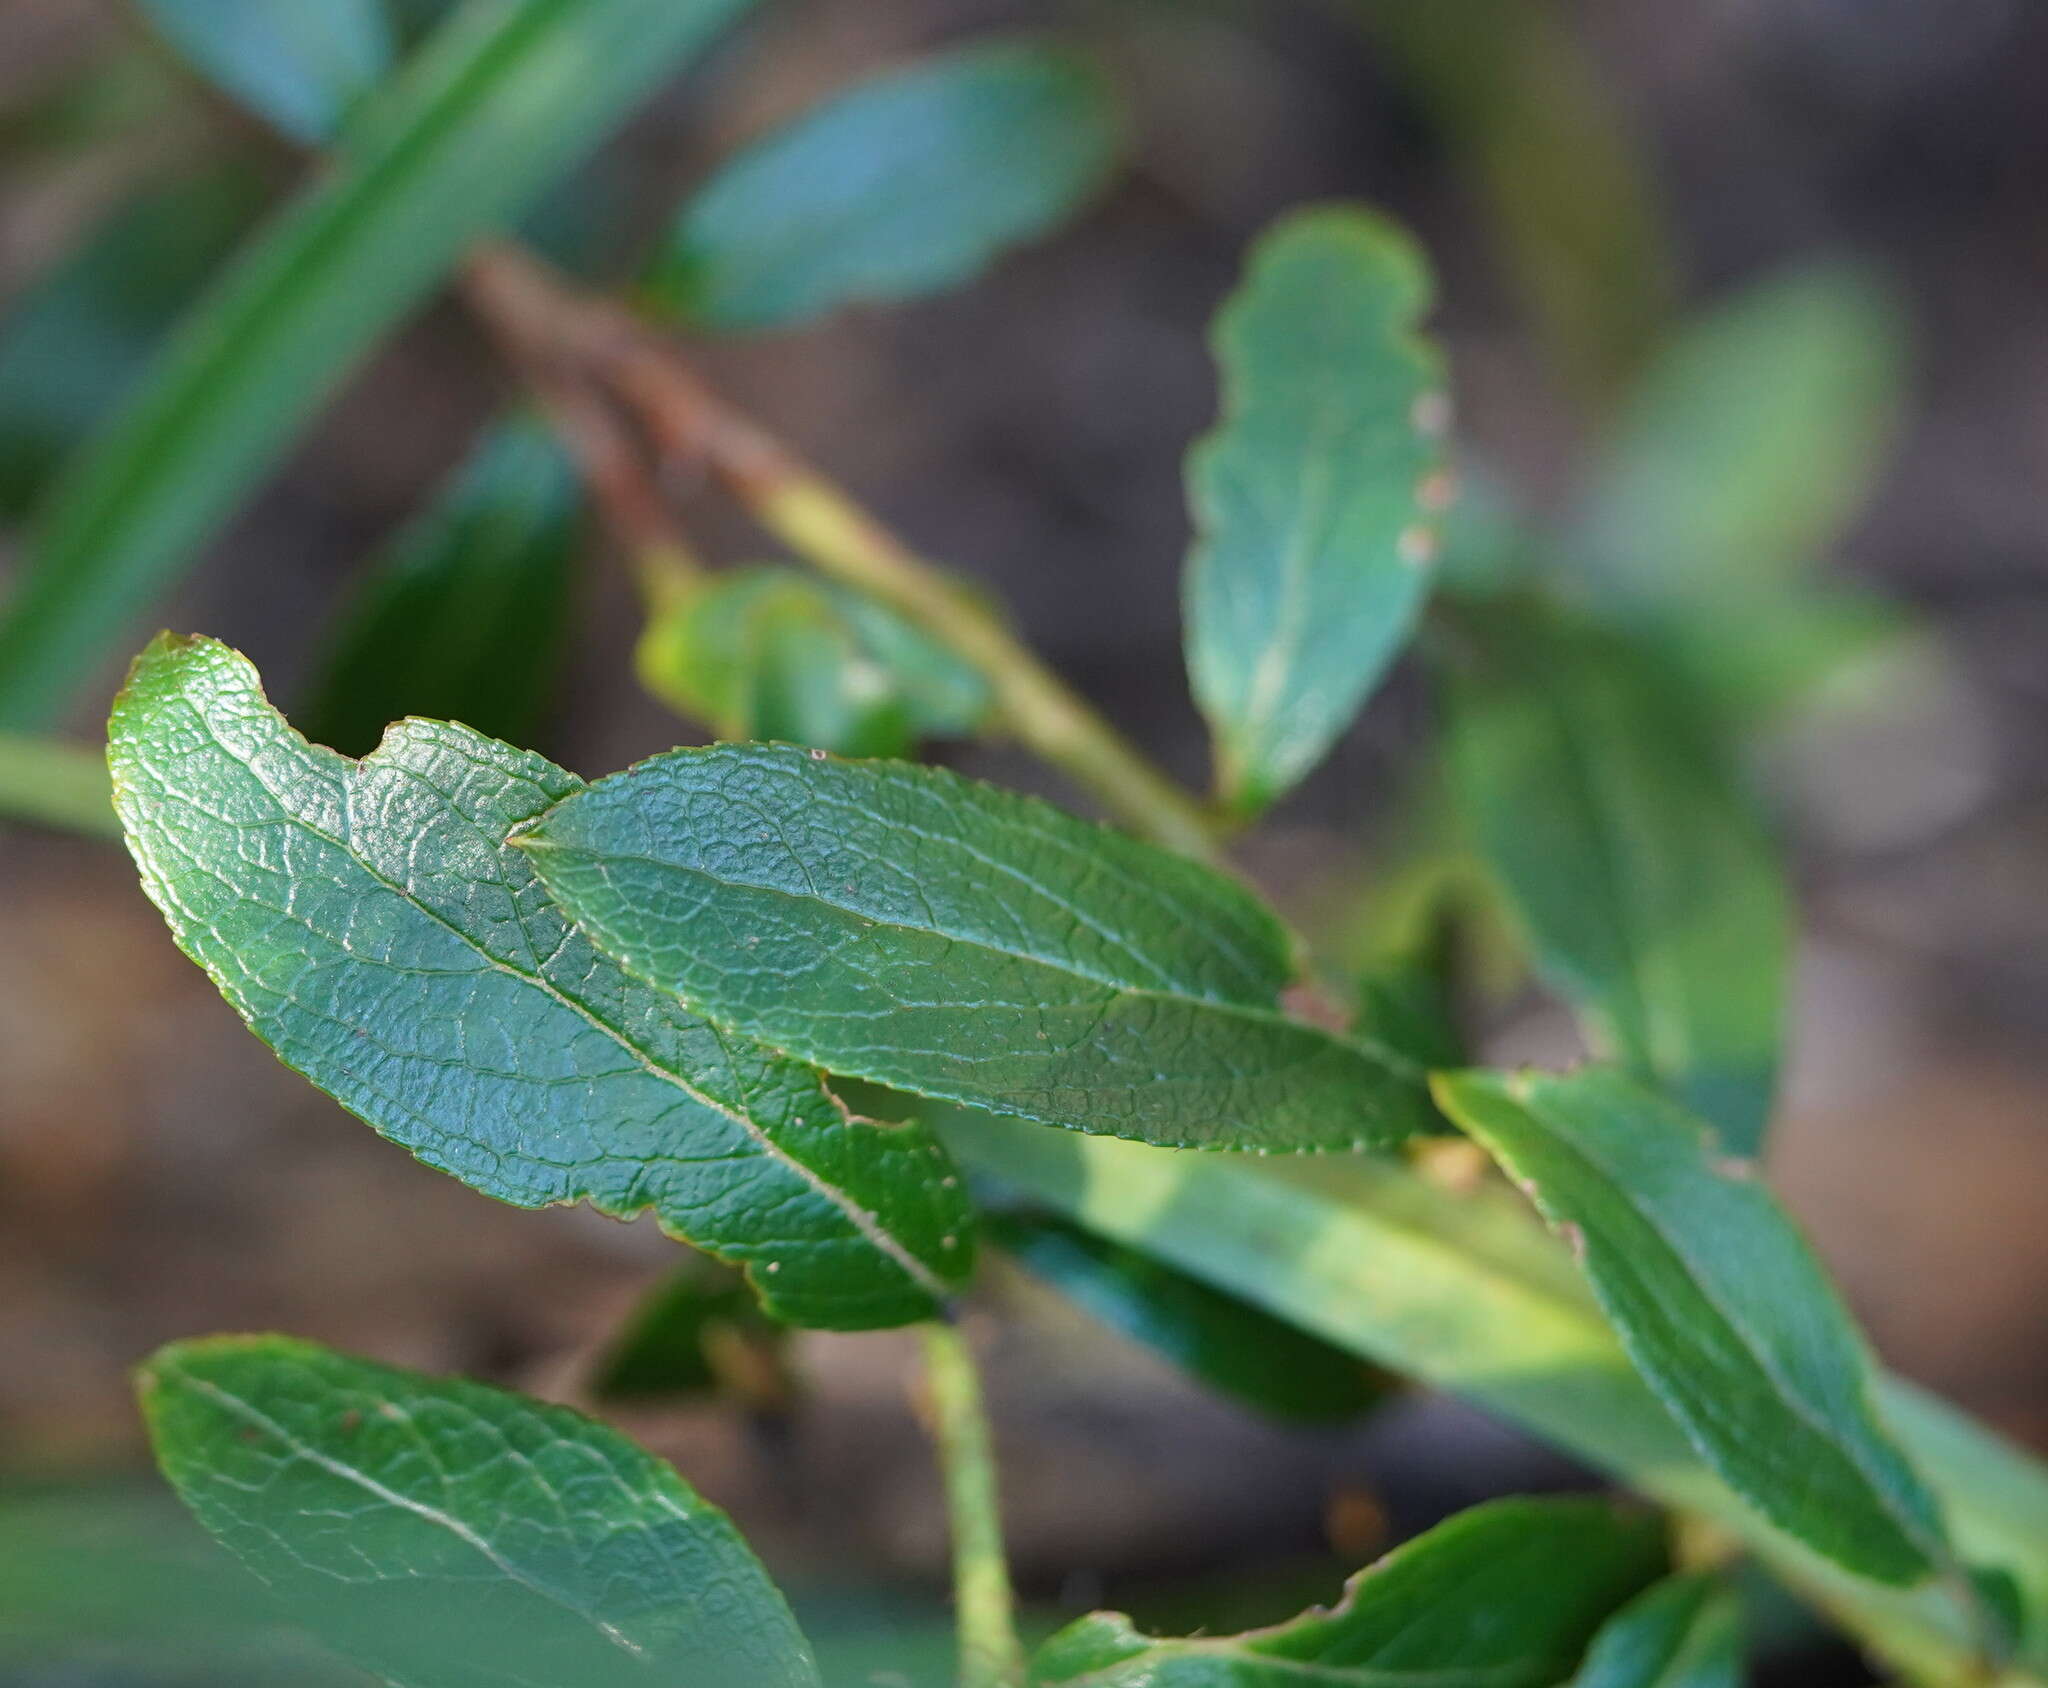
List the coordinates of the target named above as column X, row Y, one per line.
column 369, row 924
column 466, row 615
column 452, row 1536
column 904, row 925
column 1685, row 1632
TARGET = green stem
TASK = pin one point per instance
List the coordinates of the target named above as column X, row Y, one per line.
column 56, row 785
column 991, row 1656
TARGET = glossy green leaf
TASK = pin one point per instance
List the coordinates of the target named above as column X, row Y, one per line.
column 1719, row 1302
column 448, row 1535
column 700, row 1331
column 1316, row 497
column 466, row 615
column 54, row 784
column 1686, row 1632
column 298, row 66
column 1465, row 1293
column 367, row 921
column 1644, row 882
column 908, row 926
column 768, row 653
column 75, row 342
column 1503, row 1596
column 908, row 183
column 504, row 98
column 1230, row 1345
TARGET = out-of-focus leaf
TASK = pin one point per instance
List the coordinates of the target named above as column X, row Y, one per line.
column 299, row 64
column 57, row 785
column 466, row 616
column 1503, row 1596
column 506, row 96
column 1316, row 497
column 73, row 345
column 768, row 653
column 387, row 944
column 909, row 183
column 1686, row 1632
column 699, row 1332
column 453, row 1536
column 1719, row 1302
column 908, row 926
column 1408, row 993
column 1646, row 885
column 1753, row 440
column 1228, row 1344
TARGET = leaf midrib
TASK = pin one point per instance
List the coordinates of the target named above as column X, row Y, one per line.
column 1399, row 1065
column 863, row 1221
column 256, row 1418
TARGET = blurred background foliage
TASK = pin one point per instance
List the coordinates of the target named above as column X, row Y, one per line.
column 1745, row 311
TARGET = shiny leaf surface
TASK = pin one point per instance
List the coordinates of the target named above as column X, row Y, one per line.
column 368, row 922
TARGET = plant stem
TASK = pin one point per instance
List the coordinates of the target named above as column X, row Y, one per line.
column 56, row 785
column 544, row 319
column 991, row 1656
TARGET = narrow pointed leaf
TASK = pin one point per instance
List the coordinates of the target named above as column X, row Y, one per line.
column 698, row 1332
column 1645, row 884
column 1686, row 1632
column 908, row 183
column 449, row 1535
column 1721, row 1305
column 1316, row 497
column 298, row 66
column 905, row 925
column 505, row 97
column 1503, row 1596
column 466, row 616
column 367, row 921
column 1235, row 1348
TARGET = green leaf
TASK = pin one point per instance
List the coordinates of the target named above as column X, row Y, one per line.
column 466, row 615
column 908, row 926
column 298, row 66
column 74, row 344
column 1230, row 1345
column 367, row 921
column 56, row 785
column 1503, row 1596
column 699, row 1332
column 507, row 96
column 1645, row 884
column 1720, row 1304
column 768, row 653
column 1466, row 1294
column 1315, row 499
column 1686, row 1632
column 906, row 184
column 448, row 1535
column 1752, row 441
